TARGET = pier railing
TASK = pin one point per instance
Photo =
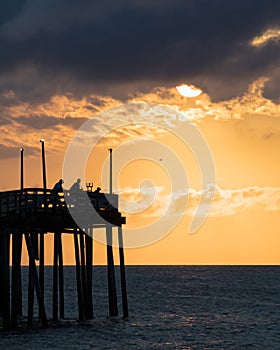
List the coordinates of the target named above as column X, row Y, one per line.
column 32, row 200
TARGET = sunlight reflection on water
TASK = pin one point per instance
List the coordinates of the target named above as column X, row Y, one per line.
column 171, row 307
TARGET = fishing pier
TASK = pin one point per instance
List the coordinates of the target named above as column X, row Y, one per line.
column 27, row 215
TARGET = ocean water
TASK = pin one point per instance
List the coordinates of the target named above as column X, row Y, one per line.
column 170, row 307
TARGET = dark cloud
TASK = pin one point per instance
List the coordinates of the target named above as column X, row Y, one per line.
column 8, row 152
column 49, row 122
column 93, row 46
column 5, row 120
column 10, row 9
column 14, row 152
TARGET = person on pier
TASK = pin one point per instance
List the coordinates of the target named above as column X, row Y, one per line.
column 97, row 191
column 75, row 189
column 57, row 188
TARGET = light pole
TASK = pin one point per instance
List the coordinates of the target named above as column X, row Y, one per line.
column 44, row 166
column 21, row 168
column 111, row 171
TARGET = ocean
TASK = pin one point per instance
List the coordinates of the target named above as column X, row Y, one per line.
column 170, row 307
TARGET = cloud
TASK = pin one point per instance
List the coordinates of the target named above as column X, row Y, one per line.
column 48, row 122
column 230, row 202
column 268, row 35
column 225, row 202
column 251, row 103
column 114, row 47
column 23, row 122
column 13, row 152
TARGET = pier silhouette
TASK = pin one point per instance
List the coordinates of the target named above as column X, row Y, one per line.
column 26, row 216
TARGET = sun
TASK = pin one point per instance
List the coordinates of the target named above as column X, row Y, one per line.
column 188, row 90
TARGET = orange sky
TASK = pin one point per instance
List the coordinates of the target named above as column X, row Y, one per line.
column 243, row 135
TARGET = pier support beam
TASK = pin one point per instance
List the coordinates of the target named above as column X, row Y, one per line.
column 122, row 272
column 61, row 277
column 78, row 277
column 55, row 276
column 83, row 271
column 42, row 265
column 5, row 278
column 30, row 307
column 35, row 280
column 89, row 252
column 112, row 293
column 16, row 277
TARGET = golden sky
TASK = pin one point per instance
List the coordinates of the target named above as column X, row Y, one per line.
column 243, row 135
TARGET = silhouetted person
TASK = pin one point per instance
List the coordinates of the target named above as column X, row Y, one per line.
column 75, row 190
column 97, row 191
column 57, row 188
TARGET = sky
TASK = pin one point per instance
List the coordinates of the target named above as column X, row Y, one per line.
column 110, row 68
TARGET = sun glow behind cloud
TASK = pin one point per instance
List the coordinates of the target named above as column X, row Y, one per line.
column 22, row 122
column 188, row 90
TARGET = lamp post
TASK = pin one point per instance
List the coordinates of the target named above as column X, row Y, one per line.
column 21, row 168
column 111, row 171
column 44, row 165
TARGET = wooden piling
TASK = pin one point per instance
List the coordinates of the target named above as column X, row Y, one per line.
column 122, row 273
column 61, row 277
column 19, row 311
column 2, row 282
column 42, row 264
column 16, row 259
column 30, row 294
column 78, row 277
column 33, row 272
column 83, row 271
column 112, row 293
column 89, row 252
column 5, row 278
column 35, row 243
column 55, row 276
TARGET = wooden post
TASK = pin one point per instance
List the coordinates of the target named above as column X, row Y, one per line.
column 30, row 293
column 35, row 242
column 16, row 258
column 5, row 278
column 89, row 249
column 83, row 271
column 61, row 277
column 2, row 282
column 33, row 271
column 42, row 265
column 112, row 293
column 122, row 272
column 78, row 277
column 19, row 312
column 55, row 276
